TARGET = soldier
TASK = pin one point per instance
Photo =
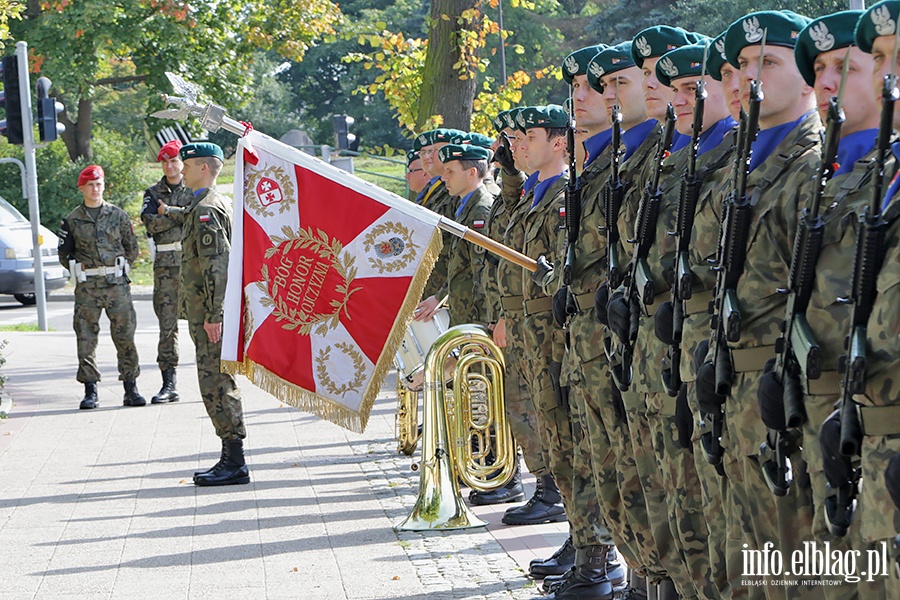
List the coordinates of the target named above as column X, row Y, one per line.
column 97, row 245
column 482, row 141
column 784, row 160
column 416, row 177
column 165, row 235
column 204, row 269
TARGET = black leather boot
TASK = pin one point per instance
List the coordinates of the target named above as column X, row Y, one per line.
column 561, row 561
column 132, row 396
column 637, row 588
column 167, row 393
column 588, row 581
column 232, row 471
column 90, row 396
column 665, row 590
column 615, row 571
column 215, row 466
column 511, row 492
column 545, row 506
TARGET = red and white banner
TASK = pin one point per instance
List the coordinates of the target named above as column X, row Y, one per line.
column 325, row 272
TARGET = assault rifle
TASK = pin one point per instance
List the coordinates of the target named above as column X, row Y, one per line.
column 736, row 219
column 573, row 213
column 613, row 194
column 684, row 225
column 796, row 352
column 639, row 288
column 867, row 264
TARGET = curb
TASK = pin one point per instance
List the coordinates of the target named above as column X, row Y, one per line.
column 67, row 294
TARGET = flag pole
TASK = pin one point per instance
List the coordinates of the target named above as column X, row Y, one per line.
column 213, row 118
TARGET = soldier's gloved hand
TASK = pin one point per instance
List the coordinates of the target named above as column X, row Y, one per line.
column 504, row 157
column 700, row 355
column 601, row 299
column 684, row 419
column 619, row 313
column 559, row 306
column 710, row 402
column 663, row 323
column 618, row 405
column 770, row 397
column 544, row 270
column 838, row 468
column 66, row 244
column 892, row 479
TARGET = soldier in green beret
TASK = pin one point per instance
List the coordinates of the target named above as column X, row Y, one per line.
column 204, row 269
column 416, row 177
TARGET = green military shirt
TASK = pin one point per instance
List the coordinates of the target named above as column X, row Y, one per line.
column 439, row 200
column 467, row 302
column 498, row 219
column 98, row 243
column 165, row 229
column 204, row 262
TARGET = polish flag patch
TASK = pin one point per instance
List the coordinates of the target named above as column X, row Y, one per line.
column 478, row 224
column 204, row 218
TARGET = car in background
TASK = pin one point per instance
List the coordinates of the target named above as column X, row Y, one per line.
column 16, row 256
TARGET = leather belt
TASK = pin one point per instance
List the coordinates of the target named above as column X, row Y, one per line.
column 584, row 301
column 828, row 384
column 537, row 305
column 880, row 420
column 99, row 271
column 745, row 360
column 171, row 247
column 698, row 303
column 657, row 300
column 511, row 303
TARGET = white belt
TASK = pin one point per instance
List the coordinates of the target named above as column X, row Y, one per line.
column 99, row 271
column 169, row 247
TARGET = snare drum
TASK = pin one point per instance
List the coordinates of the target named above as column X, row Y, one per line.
column 410, row 359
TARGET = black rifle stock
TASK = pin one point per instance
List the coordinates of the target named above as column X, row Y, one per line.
column 573, row 207
column 613, row 195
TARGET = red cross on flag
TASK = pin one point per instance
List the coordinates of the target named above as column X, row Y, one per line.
column 324, row 274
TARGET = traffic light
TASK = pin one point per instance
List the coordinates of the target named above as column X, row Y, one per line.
column 48, row 108
column 344, row 140
column 11, row 127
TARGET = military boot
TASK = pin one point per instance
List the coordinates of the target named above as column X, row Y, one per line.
column 665, row 590
column 132, row 396
column 589, row 580
column 561, row 561
column 90, row 396
column 615, row 571
column 232, row 471
column 545, row 506
column 215, row 466
column 511, row 492
column 167, row 393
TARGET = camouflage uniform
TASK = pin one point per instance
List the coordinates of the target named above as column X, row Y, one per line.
column 166, row 233
column 204, row 269
column 467, row 302
column 439, row 200
column 98, row 244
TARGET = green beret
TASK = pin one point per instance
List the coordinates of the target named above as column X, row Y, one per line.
column 463, row 152
column 479, row 139
column 782, row 28
column 411, row 156
column 880, row 19
column 201, row 149
column 577, row 62
column 614, row 58
column 499, row 122
column 822, row 35
column 509, row 118
column 716, row 59
column 550, row 116
column 679, row 63
column 656, row 41
column 435, row 136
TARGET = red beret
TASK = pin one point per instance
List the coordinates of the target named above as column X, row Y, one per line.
column 170, row 150
column 90, row 173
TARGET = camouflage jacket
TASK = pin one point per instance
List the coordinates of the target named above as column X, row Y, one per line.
column 467, row 302
column 165, row 229
column 204, row 261
column 632, row 175
column 98, row 244
column 498, row 219
column 440, row 201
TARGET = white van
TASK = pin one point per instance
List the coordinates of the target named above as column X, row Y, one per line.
column 16, row 260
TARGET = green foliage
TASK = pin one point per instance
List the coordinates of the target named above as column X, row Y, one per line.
column 9, row 9
column 712, row 17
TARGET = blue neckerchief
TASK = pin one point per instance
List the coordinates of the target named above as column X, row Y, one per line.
column 200, row 191
column 895, row 182
column 713, row 136
column 852, row 147
column 462, row 203
column 596, row 144
column 768, row 139
column 541, row 188
column 531, row 181
column 679, row 141
column 422, row 194
column 633, row 137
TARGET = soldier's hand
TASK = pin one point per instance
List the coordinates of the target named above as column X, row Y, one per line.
column 710, row 402
column 663, row 323
column 543, row 272
column 770, row 397
column 499, row 333
column 892, row 479
column 559, row 306
column 619, row 313
column 601, row 299
column 426, row 309
column 684, row 419
column 213, row 332
column 161, row 209
column 504, row 156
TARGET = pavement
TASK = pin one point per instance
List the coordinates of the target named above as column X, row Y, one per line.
column 100, row 503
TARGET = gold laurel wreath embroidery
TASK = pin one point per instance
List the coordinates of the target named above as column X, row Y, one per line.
column 359, row 370
column 401, row 261
column 248, row 321
column 279, row 175
column 328, row 249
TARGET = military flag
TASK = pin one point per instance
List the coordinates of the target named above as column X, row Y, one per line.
column 325, row 272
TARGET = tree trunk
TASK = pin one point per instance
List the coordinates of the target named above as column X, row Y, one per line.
column 443, row 92
column 77, row 135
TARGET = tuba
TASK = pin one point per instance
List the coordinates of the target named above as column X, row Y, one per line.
column 466, row 433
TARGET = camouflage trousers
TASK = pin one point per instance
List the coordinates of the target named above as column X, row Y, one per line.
column 90, row 302
column 165, row 305
column 219, row 391
column 650, row 474
column 877, row 514
column 521, row 414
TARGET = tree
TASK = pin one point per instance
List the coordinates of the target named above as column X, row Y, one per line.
column 9, row 9
column 712, row 17
column 93, row 43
